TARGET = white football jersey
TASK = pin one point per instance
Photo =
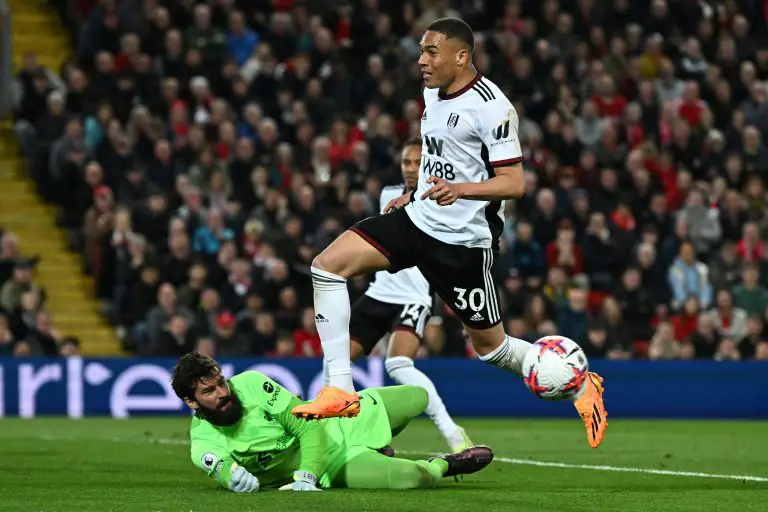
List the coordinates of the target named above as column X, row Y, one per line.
column 465, row 135
column 407, row 286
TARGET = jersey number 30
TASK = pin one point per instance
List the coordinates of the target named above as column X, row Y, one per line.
column 475, row 299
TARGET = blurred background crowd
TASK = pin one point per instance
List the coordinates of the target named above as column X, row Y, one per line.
column 201, row 153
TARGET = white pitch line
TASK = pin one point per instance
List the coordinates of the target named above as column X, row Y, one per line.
column 519, row 462
column 618, row 469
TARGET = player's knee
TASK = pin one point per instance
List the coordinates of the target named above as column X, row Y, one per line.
column 327, row 263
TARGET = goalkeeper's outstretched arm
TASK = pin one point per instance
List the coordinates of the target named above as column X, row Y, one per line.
column 311, row 438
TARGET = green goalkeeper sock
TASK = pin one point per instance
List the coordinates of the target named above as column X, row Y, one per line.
column 440, row 464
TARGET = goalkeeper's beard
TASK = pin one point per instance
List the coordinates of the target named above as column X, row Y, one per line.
column 230, row 415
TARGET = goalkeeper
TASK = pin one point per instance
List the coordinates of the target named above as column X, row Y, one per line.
column 244, row 435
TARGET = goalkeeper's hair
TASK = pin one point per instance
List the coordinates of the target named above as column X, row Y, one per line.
column 192, row 367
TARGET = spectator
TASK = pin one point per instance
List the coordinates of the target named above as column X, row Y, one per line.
column 750, row 296
column 705, row 338
column 687, row 276
column 703, row 223
column 618, row 334
column 228, row 342
column 20, row 282
column 192, row 289
column 730, row 321
column 526, row 254
column 69, row 347
column 663, row 344
column 727, row 351
column 751, row 247
column 563, row 251
column 749, row 344
column 306, row 340
column 176, row 338
column 573, row 318
column 208, row 310
column 684, row 322
column 44, row 339
column 725, row 268
column 213, row 135
column 159, row 317
column 241, row 41
column 601, row 255
column 208, row 238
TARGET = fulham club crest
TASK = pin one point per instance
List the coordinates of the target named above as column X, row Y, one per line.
column 453, row 120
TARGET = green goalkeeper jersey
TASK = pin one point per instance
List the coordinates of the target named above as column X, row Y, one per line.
column 272, row 444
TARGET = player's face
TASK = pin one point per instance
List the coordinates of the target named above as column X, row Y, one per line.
column 440, row 59
column 215, row 400
column 409, row 165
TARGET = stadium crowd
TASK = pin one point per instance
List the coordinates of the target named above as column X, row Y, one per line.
column 202, row 153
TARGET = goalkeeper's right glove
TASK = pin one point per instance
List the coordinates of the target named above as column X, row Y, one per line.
column 241, row 480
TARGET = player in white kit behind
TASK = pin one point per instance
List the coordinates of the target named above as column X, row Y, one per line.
column 399, row 304
column 449, row 227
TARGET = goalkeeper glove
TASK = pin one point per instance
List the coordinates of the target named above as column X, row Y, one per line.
column 304, row 481
column 241, row 480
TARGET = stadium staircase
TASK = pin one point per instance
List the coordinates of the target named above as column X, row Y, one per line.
column 70, row 293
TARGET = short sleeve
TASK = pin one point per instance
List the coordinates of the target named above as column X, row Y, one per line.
column 498, row 124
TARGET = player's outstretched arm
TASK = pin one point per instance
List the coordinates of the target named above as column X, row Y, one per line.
column 311, row 444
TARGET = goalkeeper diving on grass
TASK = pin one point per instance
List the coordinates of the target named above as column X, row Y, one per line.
column 244, row 436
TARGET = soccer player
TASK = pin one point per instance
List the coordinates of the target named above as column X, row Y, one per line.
column 400, row 304
column 244, row 436
column 449, row 227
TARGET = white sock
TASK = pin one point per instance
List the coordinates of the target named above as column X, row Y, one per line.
column 509, row 355
column 326, row 376
column 332, row 312
column 402, row 370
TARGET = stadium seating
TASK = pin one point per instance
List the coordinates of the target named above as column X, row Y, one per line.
column 197, row 169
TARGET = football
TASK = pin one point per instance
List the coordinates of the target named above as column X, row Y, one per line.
column 555, row 368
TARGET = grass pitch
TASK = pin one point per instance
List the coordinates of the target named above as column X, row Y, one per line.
column 143, row 465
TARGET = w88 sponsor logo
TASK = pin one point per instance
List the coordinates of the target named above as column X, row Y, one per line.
column 438, row 169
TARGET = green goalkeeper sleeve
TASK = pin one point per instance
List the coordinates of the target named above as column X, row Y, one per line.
column 311, row 436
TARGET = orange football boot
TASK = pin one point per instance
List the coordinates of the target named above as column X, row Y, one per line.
column 331, row 402
column 592, row 410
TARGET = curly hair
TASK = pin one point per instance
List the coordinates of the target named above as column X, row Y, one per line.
column 192, row 367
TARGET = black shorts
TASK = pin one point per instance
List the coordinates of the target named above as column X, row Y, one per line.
column 461, row 275
column 372, row 319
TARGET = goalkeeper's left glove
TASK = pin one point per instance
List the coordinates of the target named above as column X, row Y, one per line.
column 304, row 481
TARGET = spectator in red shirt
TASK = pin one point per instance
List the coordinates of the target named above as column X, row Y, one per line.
column 609, row 103
column 342, row 142
column 691, row 107
column 686, row 320
column 750, row 247
column 563, row 251
column 306, row 341
column 623, row 218
column 129, row 52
